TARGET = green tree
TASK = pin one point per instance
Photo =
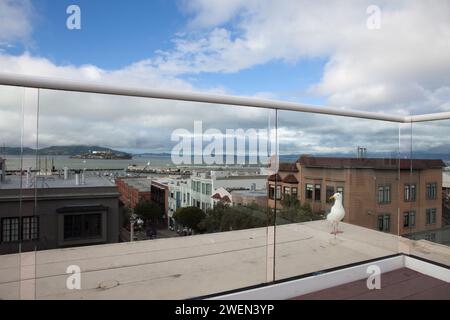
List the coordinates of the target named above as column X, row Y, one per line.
column 149, row 210
column 293, row 211
column 213, row 218
column 189, row 217
column 242, row 217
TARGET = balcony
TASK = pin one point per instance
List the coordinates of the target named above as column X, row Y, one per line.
column 64, row 204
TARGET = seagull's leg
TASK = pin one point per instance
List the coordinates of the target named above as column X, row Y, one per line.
column 337, row 229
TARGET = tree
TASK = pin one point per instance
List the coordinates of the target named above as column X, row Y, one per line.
column 241, row 217
column 149, row 210
column 213, row 218
column 189, row 217
column 293, row 211
column 223, row 217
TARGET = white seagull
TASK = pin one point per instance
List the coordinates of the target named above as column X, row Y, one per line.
column 337, row 213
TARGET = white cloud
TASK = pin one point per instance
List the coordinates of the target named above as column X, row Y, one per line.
column 15, row 21
column 403, row 67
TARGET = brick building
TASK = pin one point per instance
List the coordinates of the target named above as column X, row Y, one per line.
column 134, row 190
column 391, row 195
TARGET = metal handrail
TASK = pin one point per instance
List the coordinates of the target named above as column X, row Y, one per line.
column 103, row 88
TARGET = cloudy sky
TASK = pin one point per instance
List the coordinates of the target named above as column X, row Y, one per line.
column 318, row 52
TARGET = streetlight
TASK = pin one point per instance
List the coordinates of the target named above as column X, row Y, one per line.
column 133, row 219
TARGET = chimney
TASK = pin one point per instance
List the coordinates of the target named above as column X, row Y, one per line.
column 66, row 173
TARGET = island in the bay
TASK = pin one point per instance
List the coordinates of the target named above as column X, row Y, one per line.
column 103, row 154
column 73, row 151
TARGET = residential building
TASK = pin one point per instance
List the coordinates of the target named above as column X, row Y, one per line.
column 52, row 211
column 133, row 190
column 206, row 187
column 391, row 195
column 222, row 195
column 203, row 184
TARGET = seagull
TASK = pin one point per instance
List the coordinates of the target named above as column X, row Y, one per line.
column 337, row 213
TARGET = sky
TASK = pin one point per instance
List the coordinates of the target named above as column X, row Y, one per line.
column 316, row 52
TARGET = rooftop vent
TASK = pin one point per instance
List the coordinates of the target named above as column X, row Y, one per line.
column 361, row 152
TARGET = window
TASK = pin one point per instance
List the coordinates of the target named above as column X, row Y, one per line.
column 208, row 189
column 294, row 192
column 384, row 222
column 409, row 219
column 10, row 229
column 271, row 191
column 384, row 193
column 410, row 192
column 431, row 216
column 203, row 188
column 317, row 192
column 330, row 192
column 309, row 191
column 286, row 191
column 431, row 190
column 82, row 226
column 341, row 191
column 30, row 228
column 178, row 199
column 278, row 195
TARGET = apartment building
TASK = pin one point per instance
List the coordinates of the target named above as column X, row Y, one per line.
column 391, row 195
column 133, row 190
column 205, row 187
column 39, row 212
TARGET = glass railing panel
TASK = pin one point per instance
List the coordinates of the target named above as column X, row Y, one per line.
column 18, row 114
column 185, row 182
column 347, row 165
column 430, row 173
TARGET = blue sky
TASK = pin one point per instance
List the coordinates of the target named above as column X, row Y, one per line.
column 115, row 34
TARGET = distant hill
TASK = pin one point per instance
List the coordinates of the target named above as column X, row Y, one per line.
column 58, row 150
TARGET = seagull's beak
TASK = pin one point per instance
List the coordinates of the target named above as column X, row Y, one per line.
column 332, row 197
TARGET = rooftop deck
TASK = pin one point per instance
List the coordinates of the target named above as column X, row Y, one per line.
column 188, row 267
column 400, row 284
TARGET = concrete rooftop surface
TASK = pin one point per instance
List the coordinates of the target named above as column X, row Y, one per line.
column 188, row 267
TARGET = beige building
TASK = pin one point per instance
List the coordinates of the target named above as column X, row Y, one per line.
column 391, row 195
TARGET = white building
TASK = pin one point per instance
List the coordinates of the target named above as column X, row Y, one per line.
column 199, row 189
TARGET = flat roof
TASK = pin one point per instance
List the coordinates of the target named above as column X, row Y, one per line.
column 370, row 163
column 144, row 184
column 55, row 181
column 193, row 266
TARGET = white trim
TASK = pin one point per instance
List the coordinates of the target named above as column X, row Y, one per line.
column 290, row 289
column 428, row 269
